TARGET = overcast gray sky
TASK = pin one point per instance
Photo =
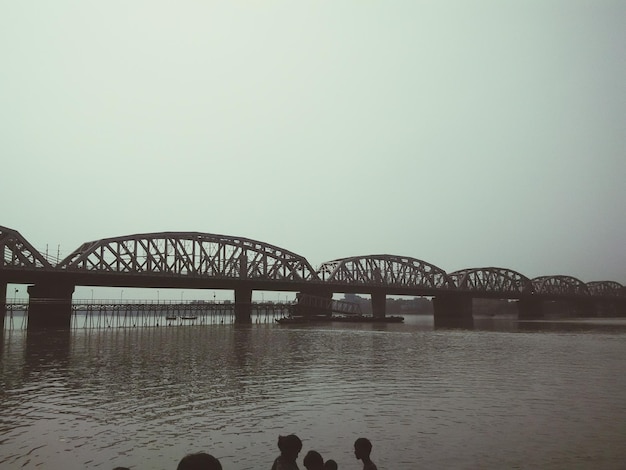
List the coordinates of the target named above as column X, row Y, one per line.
column 463, row 133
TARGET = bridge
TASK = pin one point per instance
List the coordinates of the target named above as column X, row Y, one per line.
column 196, row 260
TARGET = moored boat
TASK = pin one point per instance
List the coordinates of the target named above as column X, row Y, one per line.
column 291, row 319
column 339, row 318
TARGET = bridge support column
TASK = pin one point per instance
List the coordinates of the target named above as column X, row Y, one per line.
column 453, row 311
column 50, row 306
column 243, row 305
column 529, row 309
column 3, row 305
column 379, row 304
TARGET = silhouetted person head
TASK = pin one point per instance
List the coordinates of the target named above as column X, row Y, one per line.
column 330, row 465
column 290, row 446
column 199, row 461
column 362, row 448
column 313, row 461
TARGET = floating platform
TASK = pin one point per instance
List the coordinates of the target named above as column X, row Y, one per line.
column 336, row 318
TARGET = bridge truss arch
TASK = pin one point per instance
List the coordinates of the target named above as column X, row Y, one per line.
column 17, row 253
column 492, row 281
column 190, row 254
column 606, row 289
column 385, row 270
column 560, row 285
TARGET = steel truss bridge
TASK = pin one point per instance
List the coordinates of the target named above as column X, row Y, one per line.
column 208, row 261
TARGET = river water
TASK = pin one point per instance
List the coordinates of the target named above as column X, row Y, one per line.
column 503, row 395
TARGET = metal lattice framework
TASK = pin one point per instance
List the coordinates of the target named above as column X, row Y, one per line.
column 385, row 270
column 190, row 254
column 606, row 289
column 18, row 253
column 327, row 304
column 559, row 285
column 203, row 255
column 492, row 280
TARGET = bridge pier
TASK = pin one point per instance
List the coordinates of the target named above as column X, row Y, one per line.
column 243, row 305
column 529, row 309
column 453, row 311
column 379, row 304
column 3, row 305
column 50, row 306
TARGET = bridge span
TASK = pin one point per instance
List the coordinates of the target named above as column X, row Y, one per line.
column 195, row 260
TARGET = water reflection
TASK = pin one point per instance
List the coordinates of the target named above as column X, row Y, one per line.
column 50, row 349
column 591, row 325
column 503, row 394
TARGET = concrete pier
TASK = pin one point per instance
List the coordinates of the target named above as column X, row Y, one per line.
column 379, row 304
column 3, row 304
column 243, row 305
column 50, row 306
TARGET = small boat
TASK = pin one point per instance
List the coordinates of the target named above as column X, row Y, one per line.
column 189, row 318
column 291, row 320
column 170, row 318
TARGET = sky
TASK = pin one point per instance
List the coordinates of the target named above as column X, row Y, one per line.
column 463, row 133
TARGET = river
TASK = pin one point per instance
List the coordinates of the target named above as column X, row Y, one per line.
column 503, row 395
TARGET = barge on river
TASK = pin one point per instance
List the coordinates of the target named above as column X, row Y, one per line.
column 290, row 320
column 312, row 309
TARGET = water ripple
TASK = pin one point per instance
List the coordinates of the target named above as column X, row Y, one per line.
column 438, row 399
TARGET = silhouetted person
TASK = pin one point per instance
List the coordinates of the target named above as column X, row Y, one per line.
column 330, row 465
column 290, row 446
column 362, row 450
column 199, row 461
column 313, row 461
column 121, row 468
